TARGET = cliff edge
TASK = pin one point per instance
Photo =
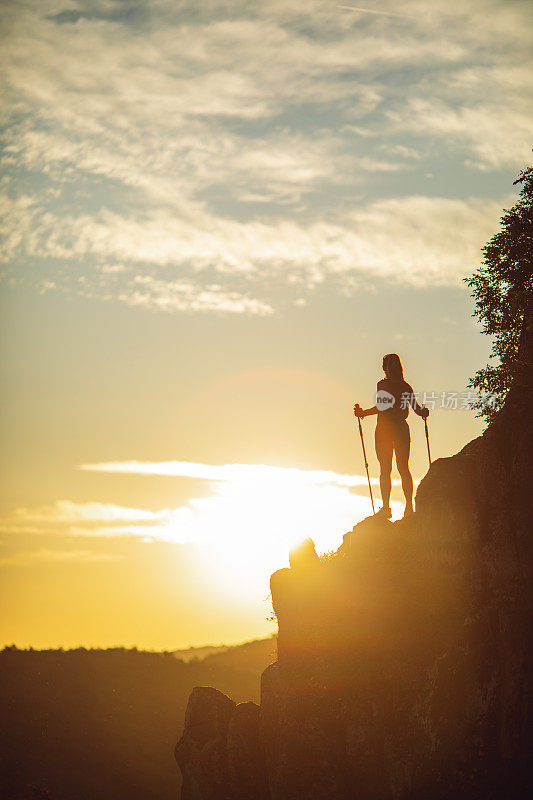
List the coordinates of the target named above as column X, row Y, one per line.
column 404, row 663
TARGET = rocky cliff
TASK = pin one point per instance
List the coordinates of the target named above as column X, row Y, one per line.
column 404, row 660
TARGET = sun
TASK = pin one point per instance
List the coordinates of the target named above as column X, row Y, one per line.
column 247, row 528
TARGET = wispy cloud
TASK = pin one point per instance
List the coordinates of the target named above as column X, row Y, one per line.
column 378, row 13
column 185, row 296
column 493, row 142
column 232, row 141
column 67, row 511
column 65, row 518
column 247, row 473
column 402, row 240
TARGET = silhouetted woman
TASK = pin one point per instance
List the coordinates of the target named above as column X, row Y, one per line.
column 393, row 398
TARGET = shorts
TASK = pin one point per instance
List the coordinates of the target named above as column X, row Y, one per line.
column 392, row 437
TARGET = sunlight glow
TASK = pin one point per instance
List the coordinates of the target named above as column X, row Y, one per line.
column 247, row 529
column 254, row 517
column 241, row 532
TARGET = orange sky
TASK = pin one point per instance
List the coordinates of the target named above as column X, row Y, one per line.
column 99, row 557
column 214, row 222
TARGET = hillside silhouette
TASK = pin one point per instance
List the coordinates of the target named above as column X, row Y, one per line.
column 85, row 724
column 405, row 659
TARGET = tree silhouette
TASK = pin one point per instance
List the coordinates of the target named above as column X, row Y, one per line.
column 502, row 288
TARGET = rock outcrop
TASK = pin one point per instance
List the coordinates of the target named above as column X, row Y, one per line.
column 219, row 753
column 404, row 664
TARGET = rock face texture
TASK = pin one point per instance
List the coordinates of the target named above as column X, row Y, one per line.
column 219, row 753
column 404, row 666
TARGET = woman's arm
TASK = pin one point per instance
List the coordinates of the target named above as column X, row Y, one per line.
column 422, row 411
column 361, row 412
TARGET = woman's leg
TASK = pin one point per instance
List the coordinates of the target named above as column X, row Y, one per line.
column 384, row 449
column 402, row 447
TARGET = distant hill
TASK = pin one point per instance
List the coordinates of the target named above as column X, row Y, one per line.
column 86, row 724
column 199, row 653
column 252, row 652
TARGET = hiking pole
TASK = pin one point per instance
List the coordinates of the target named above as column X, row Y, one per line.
column 366, row 463
column 427, row 439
